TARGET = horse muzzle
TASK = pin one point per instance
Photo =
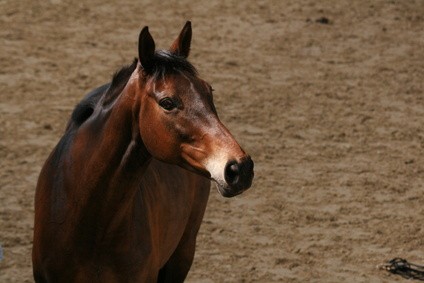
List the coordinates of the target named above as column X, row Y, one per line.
column 238, row 176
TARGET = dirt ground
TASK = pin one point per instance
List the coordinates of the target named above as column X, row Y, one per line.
column 331, row 112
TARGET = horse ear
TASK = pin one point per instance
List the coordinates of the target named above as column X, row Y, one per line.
column 146, row 49
column 181, row 45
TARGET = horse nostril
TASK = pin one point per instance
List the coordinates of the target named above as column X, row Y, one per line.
column 232, row 172
column 239, row 175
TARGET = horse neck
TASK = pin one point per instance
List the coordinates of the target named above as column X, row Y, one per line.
column 108, row 160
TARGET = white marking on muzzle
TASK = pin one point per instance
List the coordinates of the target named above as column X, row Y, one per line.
column 216, row 167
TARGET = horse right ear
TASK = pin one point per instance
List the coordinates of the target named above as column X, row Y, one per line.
column 146, row 50
column 181, row 45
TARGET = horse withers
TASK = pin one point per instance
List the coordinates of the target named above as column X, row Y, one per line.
column 122, row 196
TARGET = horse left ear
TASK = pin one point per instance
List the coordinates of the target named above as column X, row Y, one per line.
column 146, row 49
column 181, row 45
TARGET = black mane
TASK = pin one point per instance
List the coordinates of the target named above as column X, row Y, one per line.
column 164, row 63
column 119, row 80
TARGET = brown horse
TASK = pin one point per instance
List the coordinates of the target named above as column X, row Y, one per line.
column 111, row 205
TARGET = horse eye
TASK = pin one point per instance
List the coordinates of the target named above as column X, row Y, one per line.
column 167, row 104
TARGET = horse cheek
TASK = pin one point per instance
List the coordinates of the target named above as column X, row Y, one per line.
column 158, row 142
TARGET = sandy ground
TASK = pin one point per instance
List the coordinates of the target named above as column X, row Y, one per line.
column 332, row 114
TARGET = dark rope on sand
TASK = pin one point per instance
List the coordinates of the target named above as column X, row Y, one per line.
column 404, row 268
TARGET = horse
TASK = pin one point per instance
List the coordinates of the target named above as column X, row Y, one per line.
column 122, row 195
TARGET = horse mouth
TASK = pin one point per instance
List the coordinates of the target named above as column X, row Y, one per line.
column 226, row 191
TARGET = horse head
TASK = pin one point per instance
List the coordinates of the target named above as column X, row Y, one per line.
column 178, row 122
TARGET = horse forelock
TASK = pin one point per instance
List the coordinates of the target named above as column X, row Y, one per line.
column 167, row 63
